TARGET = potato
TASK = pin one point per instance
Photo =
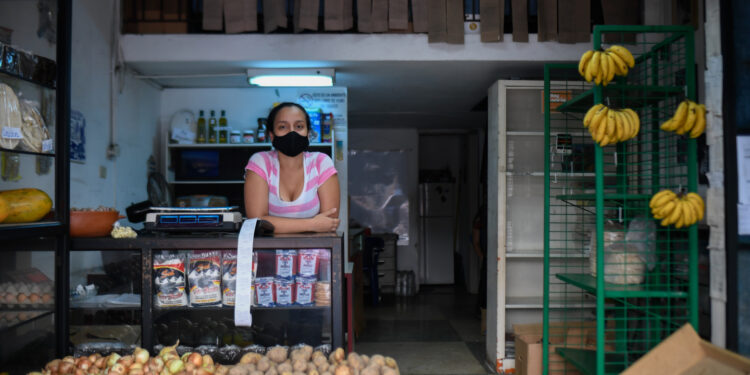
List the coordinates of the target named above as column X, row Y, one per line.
column 250, row 358
column 388, row 371
column 337, row 356
column 343, row 369
column 271, row 371
column 264, row 364
column 313, row 372
column 256, row 372
column 284, row 367
column 277, row 354
column 390, row 362
column 354, row 361
column 299, row 365
column 317, row 354
column 365, row 359
column 371, row 370
column 378, row 359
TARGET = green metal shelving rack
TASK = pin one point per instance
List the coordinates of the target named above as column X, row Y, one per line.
column 593, row 191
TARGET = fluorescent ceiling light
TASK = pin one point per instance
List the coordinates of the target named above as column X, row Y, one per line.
column 290, row 77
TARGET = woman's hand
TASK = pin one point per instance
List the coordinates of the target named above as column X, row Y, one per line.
column 323, row 222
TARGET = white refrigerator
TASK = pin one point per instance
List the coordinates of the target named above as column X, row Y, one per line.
column 437, row 211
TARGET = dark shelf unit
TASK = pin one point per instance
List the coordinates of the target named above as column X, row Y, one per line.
column 51, row 235
column 148, row 244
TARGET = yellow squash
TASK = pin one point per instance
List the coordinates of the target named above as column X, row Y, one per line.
column 25, row 205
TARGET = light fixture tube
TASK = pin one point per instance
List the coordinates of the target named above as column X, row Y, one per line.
column 290, row 77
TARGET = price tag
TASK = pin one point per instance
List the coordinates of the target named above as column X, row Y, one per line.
column 12, row 133
column 47, row 145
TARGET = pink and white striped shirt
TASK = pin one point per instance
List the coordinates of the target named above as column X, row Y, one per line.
column 318, row 169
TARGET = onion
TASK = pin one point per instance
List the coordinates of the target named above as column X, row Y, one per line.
column 136, row 372
column 53, row 365
column 65, row 368
column 169, row 349
column 69, row 359
column 196, row 359
column 141, row 355
column 158, row 363
column 175, row 366
column 135, row 366
column 100, row 362
column 208, row 361
column 170, row 356
column 112, row 359
column 127, row 361
column 80, row 372
column 118, row 368
column 84, row 364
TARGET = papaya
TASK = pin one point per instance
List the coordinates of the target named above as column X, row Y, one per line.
column 25, row 205
column 4, row 209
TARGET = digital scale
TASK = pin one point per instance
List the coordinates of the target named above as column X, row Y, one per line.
column 193, row 219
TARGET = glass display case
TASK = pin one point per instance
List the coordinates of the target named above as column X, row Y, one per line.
column 34, row 180
column 187, row 286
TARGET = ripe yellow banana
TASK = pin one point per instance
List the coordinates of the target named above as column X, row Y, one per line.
column 611, row 124
column 634, row 120
column 689, row 121
column 687, row 213
column 698, row 203
column 620, row 127
column 600, row 114
column 694, row 210
column 673, row 216
column 601, row 129
column 585, row 58
column 700, row 121
column 665, row 210
column 622, row 67
column 680, row 115
column 661, row 198
column 594, row 66
column 624, row 54
column 590, row 114
column 603, row 68
column 611, row 68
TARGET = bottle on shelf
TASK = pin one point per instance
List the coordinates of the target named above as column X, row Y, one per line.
column 202, row 131
column 212, row 124
column 326, row 126
column 223, row 128
column 260, row 135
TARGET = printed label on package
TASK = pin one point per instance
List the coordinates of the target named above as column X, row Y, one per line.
column 285, row 263
column 264, row 291
column 308, row 262
column 12, row 133
column 305, row 287
column 284, row 295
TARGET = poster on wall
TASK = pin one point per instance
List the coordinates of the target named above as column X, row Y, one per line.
column 77, row 136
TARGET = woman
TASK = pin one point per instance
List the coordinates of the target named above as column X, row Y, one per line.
column 296, row 191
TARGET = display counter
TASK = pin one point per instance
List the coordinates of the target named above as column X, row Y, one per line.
column 125, row 302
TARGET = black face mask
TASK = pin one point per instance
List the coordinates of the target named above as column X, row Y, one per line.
column 291, row 144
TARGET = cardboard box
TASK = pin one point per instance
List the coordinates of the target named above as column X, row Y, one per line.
column 528, row 339
column 684, row 352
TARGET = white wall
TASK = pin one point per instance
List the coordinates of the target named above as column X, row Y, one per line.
column 137, row 110
column 389, row 140
column 125, row 179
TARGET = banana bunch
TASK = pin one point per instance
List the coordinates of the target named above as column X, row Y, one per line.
column 609, row 126
column 690, row 117
column 682, row 211
column 603, row 66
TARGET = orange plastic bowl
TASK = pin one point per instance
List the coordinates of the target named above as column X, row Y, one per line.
column 92, row 223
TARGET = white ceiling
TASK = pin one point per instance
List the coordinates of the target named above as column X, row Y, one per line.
column 392, row 80
column 422, row 94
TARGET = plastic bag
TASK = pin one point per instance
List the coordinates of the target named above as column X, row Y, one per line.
column 10, row 118
column 623, row 264
column 613, row 233
column 642, row 234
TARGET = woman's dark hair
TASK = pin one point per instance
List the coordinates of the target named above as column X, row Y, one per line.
column 279, row 107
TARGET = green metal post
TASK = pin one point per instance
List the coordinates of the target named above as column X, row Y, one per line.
column 545, row 319
column 600, row 295
column 692, row 184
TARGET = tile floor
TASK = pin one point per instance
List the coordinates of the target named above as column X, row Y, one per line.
column 435, row 332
